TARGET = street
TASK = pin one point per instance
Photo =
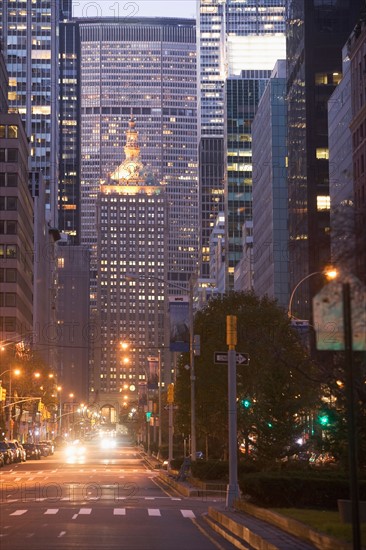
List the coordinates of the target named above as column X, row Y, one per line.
column 105, row 500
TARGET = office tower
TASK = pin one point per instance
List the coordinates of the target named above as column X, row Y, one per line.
column 237, row 41
column 45, row 339
column 270, row 235
column 29, row 33
column 132, row 229
column 69, row 151
column 130, row 67
column 316, row 34
column 73, row 331
column 341, row 191
column 16, row 225
column 357, row 52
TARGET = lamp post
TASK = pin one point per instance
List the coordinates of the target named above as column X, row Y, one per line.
column 329, row 273
column 134, row 276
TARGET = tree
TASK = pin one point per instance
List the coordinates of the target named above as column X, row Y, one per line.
column 280, row 382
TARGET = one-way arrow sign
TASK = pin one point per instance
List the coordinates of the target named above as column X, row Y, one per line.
column 221, row 357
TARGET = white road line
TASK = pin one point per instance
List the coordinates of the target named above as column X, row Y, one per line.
column 12, row 500
column 85, row 511
column 119, row 511
column 18, row 512
column 51, row 511
column 61, row 534
column 153, row 512
column 17, row 478
column 29, row 535
column 149, row 498
column 188, row 513
column 175, row 498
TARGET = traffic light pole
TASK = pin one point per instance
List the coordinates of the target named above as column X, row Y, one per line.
column 233, row 492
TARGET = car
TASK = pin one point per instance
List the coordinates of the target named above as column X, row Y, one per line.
column 21, row 450
column 7, row 452
column 32, row 451
column 50, row 445
column 44, row 448
column 16, row 451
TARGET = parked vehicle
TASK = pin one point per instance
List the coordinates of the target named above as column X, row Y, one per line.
column 32, row 451
column 16, row 451
column 44, row 448
column 21, row 450
column 7, row 451
column 50, row 446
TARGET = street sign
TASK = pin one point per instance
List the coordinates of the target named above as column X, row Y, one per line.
column 221, row 357
column 328, row 315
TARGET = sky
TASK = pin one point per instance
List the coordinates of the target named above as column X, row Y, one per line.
column 134, row 8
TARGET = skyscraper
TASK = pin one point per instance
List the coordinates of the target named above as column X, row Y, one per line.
column 316, row 34
column 29, row 33
column 132, row 228
column 239, row 43
column 130, row 67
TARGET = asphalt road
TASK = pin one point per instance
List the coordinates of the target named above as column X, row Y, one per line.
column 105, row 500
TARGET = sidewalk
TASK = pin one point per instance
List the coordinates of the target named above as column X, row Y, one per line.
column 259, row 528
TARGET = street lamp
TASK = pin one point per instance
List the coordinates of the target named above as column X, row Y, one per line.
column 134, row 276
column 329, row 274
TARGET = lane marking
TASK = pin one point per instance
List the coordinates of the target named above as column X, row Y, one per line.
column 153, row 512
column 85, row 511
column 74, row 516
column 188, row 513
column 51, row 511
column 61, row 534
column 18, row 512
column 119, row 511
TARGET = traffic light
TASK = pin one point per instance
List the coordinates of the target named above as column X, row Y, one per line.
column 246, row 403
column 324, row 419
column 170, row 395
column 2, row 394
column 148, row 416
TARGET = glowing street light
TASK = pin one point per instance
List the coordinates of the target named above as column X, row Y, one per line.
column 328, row 273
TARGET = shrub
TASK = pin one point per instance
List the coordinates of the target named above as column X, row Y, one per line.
column 309, row 490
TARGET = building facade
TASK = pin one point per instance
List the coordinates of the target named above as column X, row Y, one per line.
column 132, row 228
column 316, row 33
column 16, row 232
column 342, row 219
column 130, row 67
column 357, row 52
column 270, row 235
column 234, row 40
column 73, row 330
column 29, row 34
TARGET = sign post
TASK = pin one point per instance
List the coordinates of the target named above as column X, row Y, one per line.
column 233, row 492
column 340, row 324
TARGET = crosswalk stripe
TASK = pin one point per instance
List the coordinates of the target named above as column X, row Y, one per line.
column 85, row 511
column 188, row 513
column 153, row 512
column 18, row 512
column 51, row 511
column 119, row 511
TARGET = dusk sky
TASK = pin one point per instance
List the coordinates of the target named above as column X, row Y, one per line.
column 134, row 8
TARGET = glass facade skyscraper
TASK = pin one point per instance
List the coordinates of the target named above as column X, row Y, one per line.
column 29, row 34
column 238, row 43
column 316, row 34
column 130, row 67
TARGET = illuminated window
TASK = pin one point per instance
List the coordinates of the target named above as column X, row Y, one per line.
column 323, row 202
column 322, row 153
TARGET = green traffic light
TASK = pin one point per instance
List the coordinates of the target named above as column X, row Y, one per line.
column 246, row 403
column 324, row 420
